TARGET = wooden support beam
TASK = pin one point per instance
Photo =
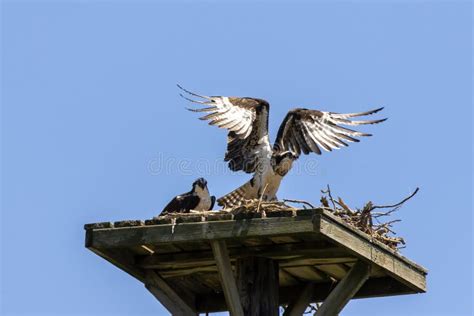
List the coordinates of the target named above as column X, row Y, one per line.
column 258, row 283
column 361, row 245
column 297, row 308
column 372, row 288
column 200, row 232
column 173, row 301
column 345, row 290
column 283, row 252
column 226, row 276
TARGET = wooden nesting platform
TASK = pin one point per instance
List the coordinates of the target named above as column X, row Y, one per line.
column 314, row 251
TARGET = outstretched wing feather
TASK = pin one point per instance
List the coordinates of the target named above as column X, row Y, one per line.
column 313, row 129
column 348, row 115
column 245, row 120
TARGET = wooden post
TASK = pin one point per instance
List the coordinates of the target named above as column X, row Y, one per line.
column 345, row 290
column 298, row 307
column 257, row 280
column 226, row 276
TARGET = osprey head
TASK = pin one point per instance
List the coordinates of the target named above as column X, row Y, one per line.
column 282, row 162
column 200, row 183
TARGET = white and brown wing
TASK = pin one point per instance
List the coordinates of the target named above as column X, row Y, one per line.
column 246, row 119
column 307, row 131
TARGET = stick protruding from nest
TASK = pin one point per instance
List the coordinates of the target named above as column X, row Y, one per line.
column 363, row 219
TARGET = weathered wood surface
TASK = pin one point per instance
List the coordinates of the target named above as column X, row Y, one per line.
column 226, row 276
column 313, row 246
column 307, row 274
column 174, row 302
column 202, row 231
column 100, row 225
column 297, row 307
column 322, row 214
column 380, row 255
column 257, row 280
column 345, row 290
column 289, row 252
column 279, row 226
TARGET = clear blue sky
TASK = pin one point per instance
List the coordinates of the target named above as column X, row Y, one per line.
column 89, row 106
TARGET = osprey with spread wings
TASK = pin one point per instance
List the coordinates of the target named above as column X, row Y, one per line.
column 248, row 143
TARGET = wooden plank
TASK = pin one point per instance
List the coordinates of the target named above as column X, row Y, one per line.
column 311, row 261
column 190, row 219
column 335, row 219
column 301, row 267
column 306, row 274
column 284, row 253
column 257, row 281
column 257, row 241
column 281, row 213
column 128, row 223
column 195, row 232
column 224, row 216
column 334, row 270
column 364, row 248
column 160, row 220
column 234, row 243
column 99, row 225
column 286, row 279
column 167, row 296
column 192, row 284
column 345, row 290
column 172, row 273
column 298, row 307
column 165, row 248
column 284, row 239
column 195, row 246
column 210, row 280
column 176, row 261
column 227, row 277
column 142, row 250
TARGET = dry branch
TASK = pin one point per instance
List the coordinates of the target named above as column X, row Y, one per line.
column 299, row 202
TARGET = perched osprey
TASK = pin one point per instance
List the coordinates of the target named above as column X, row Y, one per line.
column 197, row 199
column 248, row 144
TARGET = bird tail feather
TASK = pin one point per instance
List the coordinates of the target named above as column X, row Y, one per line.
column 236, row 197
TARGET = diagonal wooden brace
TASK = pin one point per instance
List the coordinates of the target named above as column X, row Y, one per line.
column 345, row 290
column 226, row 276
column 298, row 307
column 167, row 296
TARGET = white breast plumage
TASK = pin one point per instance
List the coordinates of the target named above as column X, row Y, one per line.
column 204, row 199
